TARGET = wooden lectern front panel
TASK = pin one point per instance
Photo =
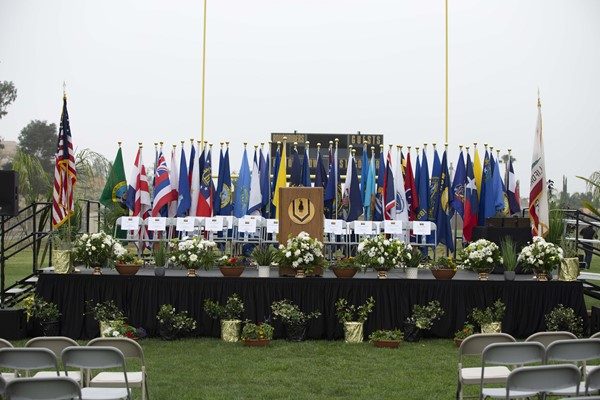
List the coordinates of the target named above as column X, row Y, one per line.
column 300, row 209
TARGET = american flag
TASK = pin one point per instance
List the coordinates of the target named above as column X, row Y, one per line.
column 65, row 174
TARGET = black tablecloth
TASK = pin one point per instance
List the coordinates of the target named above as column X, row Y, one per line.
column 141, row 296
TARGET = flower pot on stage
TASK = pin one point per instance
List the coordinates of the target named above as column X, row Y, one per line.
column 230, row 330
column 443, row 274
column 232, row 272
column 412, row 273
column 50, row 328
column 127, row 269
column 492, row 327
column 295, row 333
column 97, row 270
column 264, row 271
column 286, row 271
column 509, row 275
column 353, row 332
column 300, row 273
column 412, row 333
column 541, row 276
column 382, row 274
column 569, row 269
column 483, row 276
column 159, row 271
column 191, row 273
column 61, row 261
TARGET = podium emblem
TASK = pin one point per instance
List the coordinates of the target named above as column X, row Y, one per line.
column 301, row 211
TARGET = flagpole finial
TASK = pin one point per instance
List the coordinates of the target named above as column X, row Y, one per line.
column 221, row 144
column 318, row 145
column 155, row 144
column 417, row 147
column 446, row 145
column 161, row 143
column 210, row 145
column 119, row 143
column 408, row 147
column 485, row 145
column 255, row 147
column 140, row 144
column 434, row 144
column 182, row 142
column 227, row 144
column 353, row 152
column 65, row 90
column 174, row 146
column 424, row 145
column 475, row 144
column 262, row 144
column 467, row 147
column 284, row 138
column 192, row 140
column 245, row 143
column 509, row 151
column 307, row 142
column 491, row 148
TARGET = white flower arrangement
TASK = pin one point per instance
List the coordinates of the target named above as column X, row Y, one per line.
column 97, row 249
column 193, row 253
column 302, row 252
column 540, row 256
column 382, row 254
column 481, row 256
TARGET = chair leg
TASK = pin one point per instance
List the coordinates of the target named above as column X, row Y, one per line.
column 459, row 395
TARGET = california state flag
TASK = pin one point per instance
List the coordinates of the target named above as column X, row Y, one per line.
column 538, row 193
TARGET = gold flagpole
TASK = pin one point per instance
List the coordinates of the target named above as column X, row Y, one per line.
column 446, row 128
column 203, row 71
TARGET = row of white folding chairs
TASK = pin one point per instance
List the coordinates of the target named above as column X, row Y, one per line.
column 47, row 352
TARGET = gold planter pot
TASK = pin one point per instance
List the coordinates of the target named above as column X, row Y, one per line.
column 61, row 261
column 569, row 269
column 382, row 274
column 353, row 332
column 492, row 327
column 230, row 330
column 483, row 276
column 191, row 273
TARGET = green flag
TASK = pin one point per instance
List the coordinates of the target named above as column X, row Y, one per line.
column 115, row 189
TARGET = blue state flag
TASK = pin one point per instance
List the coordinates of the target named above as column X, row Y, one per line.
column 306, row 168
column 184, row 201
column 364, row 172
column 355, row 206
column 332, row 184
column 378, row 212
column 434, row 194
column 242, row 189
column 216, row 197
column 224, row 187
column 423, row 189
column 263, row 169
column 446, row 197
column 370, row 190
column 486, row 178
column 296, row 171
column 276, row 162
column 458, row 186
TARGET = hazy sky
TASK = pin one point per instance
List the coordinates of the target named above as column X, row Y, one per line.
column 133, row 72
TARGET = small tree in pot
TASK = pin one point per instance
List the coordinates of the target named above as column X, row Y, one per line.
column 107, row 314
column 263, row 257
column 508, row 250
column 173, row 324
column 353, row 318
column 421, row 320
column 344, row 267
column 489, row 319
column 563, row 318
column 43, row 314
column 413, row 262
column 294, row 320
column 229, row 315
column 444, row 268
column 257, row 335
column 160, row 253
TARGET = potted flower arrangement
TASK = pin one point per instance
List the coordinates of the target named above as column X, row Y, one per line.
column 382, row 254
column 563, row 318
column 444, row 268
column 107, row 314
column 263, row 257
column 120, row 329
column 413, row 262
column 466, row 331
column 387, row 338
column 508, row 250
column 257, row 335
column 231, row 266
column 421, row 320
column 344, row 267
column 569, row 267
column 541, row 257
column 481, row 256
column 96, row 250
column 44, row 315
column 303, row 254
column 173, row 324
column 293, row 319
column 160, row 254
column 353, row 318
column 126, row 263
column 490, row 318
column 193, row 253
column 229, row 315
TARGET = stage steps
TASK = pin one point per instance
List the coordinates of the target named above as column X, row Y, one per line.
column 17, row 292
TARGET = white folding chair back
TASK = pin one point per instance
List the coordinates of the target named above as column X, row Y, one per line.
column 6, row 376
column 56, row 344
column 474, row 346
column 21, row 359
column 541, row 379
column 94, row 358
column 592, row 380
column 573, row 350
column 130, row 349
column 546, row 338
column 4, row 344
column 56, row 388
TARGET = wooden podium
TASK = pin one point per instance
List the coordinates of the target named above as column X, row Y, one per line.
column 300, row 209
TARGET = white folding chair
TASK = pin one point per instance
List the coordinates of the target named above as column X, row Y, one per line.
column 131, row 350
column 509, row 354
column 473, row 346
column 55, row 388
column 540, row 379
column 577, row 352
column 592, row 380
column 56, row 344
column 7, row 376
column 421, row 240
column 546, row 338
column 95, row 358
column 20, row 359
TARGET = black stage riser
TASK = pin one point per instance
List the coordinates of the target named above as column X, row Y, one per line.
column 141, row 296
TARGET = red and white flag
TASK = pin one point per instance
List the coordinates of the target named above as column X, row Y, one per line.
column 174, row 179
column 65, row 174
column 538, row 192
column 138, row 193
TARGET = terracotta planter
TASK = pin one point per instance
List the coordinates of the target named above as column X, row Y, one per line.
column 230, row 330
column 256, row 342
column 232, row 272
column 458, row 342
column 287, row 272
column 492, row 327
column 127, row 269
column 344, row 272
column 412, row 273
column 387, row 344
column 315, row 272
column 443, row 274
column 353, row 332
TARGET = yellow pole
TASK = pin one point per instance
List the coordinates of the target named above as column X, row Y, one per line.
column 446, row 130
column 203, row 71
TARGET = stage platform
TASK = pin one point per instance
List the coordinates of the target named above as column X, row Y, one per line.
column 140, row 296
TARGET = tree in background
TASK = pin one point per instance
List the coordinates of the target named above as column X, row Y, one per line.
column 8, row 94
column 593, row 185
column 34, row 182
column 39, row 139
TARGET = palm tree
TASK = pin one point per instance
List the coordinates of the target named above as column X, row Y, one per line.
column 593, row 186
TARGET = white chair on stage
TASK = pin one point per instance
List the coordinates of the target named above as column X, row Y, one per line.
column 421, row 239
column 335, row 235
